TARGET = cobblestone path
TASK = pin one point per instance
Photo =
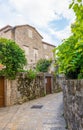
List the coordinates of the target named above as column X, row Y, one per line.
column 45, row 113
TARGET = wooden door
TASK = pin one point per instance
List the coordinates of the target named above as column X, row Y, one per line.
column 48, row 85
column 1, row 91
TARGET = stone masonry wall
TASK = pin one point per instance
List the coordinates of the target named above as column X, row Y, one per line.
column 22, row 89
column 48, row 51
column 34, row 42
column 73, row 103
column 6, row 34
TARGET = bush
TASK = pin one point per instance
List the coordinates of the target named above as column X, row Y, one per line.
column 42, row 65
column 11, row 56
column 31, row 74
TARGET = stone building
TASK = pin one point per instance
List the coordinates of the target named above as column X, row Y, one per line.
column 29, row 39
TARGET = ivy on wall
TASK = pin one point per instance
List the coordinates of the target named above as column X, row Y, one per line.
column 29, row 87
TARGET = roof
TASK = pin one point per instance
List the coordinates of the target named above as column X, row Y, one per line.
column 30, row 27
column 48, row 44
column 11, row 27
column 7, row 26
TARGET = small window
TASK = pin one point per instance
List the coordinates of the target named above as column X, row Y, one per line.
column 30, row 33
column 35, row 54
column 26, row 50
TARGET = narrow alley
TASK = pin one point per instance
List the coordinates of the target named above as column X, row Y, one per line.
column 45, row 113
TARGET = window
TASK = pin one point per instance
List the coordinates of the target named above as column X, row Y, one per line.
column 46, row 57
column 45, row 46
column 35, row 54
column 30, row 33
column 26, row 50
column 52, row 55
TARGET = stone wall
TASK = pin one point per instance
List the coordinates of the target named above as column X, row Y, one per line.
column 23, row 89
column 73, row 103
column 34, row 42
column 48, row 51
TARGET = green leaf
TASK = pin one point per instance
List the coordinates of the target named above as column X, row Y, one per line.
column 70, row 6
column 79, row 0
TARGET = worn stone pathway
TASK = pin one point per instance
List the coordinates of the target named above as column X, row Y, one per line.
column 49, row 115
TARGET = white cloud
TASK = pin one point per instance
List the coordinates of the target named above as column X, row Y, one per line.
column 41, row 12
column 63, row 33
column 55, row 37
column 38, row 14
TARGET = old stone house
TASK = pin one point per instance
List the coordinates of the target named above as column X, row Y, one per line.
column 29, row 39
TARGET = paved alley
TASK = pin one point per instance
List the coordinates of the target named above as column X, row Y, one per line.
column 45, row 113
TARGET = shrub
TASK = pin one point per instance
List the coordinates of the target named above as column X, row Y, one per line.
column 31, row 74
column 42, row 65
column 12, row 56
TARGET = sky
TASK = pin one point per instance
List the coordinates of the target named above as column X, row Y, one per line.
column 51, row 18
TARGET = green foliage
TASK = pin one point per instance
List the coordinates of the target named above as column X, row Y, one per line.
column 31, row 74
column 12, row 56
column 42, row 65
column 70, row 53
column 77, row 27
column 70, row 57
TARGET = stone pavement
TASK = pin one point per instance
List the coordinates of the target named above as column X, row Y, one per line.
column 47, row 114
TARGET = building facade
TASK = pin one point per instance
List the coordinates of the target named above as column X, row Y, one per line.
column 29, row 39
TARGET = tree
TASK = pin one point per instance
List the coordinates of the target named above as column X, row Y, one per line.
column 11, row 56
column 77, row 26
column 69, row 57
column 42, row 65
column 70, row 53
